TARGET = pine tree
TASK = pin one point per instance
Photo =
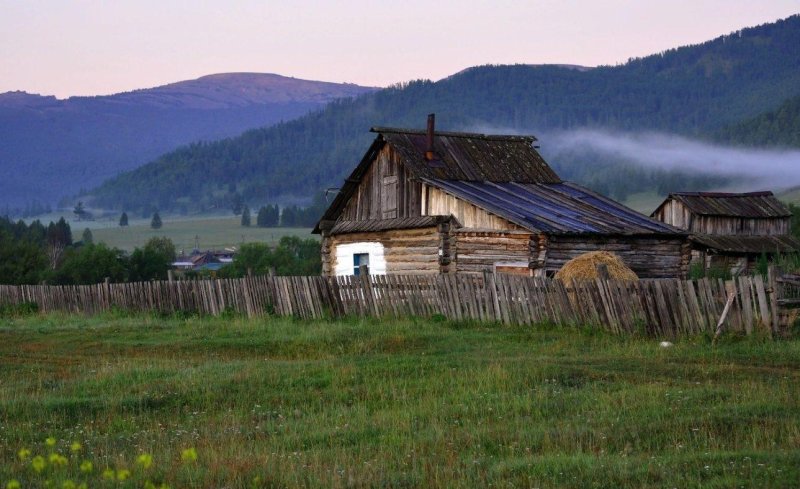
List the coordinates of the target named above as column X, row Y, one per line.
column 246, row 216
column 155, row 222
column 87, row 236
column 123, row 219
column 261, row 217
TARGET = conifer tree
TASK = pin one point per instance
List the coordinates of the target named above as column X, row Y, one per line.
column 155, row 222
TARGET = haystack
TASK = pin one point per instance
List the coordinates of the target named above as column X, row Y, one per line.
column 584, row 267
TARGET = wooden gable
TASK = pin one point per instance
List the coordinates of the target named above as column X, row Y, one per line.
column 385, row 191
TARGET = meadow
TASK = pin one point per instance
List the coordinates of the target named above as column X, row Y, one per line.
column 230, row 402
column 213, row 233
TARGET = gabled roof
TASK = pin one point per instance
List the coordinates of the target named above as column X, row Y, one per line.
column 555, row 208
column 470, row 157
column 749, row 205
column 460, row 156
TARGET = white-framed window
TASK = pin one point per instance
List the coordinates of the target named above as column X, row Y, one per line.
column 349, row 256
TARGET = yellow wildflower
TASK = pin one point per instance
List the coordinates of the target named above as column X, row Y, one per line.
column 108, row 474
column 13, row 484
column 23, row 454
column 83, row 485
column 50, row 441
column 86, row 467
column 123, row 474
column 75, row 447
column 58, row 460
column 38, row 463
column 68, row 484
column 189, row 455
column 149, row 485
column 145, row 460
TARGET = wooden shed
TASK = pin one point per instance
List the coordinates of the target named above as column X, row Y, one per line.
column 444, row 202
column 730, row 230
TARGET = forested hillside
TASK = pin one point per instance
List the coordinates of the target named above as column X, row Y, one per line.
column 694, row 90
column 779, row 127
column 52, row 148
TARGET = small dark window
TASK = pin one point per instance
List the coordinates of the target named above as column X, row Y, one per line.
column 358, row 260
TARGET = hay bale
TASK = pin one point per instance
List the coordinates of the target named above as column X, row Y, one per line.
column 584, row 267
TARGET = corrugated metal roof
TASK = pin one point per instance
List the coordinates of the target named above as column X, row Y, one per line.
column 747, row 244
column 374, row 225
column 749, row 205
column 470, row 157
column 555, row 208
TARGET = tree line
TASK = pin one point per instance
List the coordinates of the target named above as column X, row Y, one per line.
column 292, row 216
column 34, row 253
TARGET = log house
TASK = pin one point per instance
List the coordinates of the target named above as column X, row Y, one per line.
column 433, row 202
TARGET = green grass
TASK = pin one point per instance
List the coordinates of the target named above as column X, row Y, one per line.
column 213, row 233
column 409, row 403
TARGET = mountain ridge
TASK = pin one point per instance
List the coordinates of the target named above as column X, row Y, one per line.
column 55, row 147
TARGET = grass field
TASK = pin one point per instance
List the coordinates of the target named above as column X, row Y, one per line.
column 413, row 403
column 212, row 233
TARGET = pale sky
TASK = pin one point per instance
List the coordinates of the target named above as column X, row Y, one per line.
column 94, row 47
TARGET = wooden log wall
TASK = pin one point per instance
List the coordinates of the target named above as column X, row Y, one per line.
column 478, row 251
column 407, row 251
column 648, row 257
column 659, row 308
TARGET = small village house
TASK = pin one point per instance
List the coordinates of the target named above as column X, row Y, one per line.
column 730, row 230
column 444, row 202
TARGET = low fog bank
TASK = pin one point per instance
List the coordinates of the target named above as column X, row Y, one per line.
column 749, row 168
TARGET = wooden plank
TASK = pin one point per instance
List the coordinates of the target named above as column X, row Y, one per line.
column 763, row 306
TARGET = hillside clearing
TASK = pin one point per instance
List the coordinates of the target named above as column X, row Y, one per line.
column 409, row 403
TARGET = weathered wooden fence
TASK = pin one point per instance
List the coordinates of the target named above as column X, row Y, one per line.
column 664, row 308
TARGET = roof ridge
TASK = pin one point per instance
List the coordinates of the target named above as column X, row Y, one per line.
column 499, row 137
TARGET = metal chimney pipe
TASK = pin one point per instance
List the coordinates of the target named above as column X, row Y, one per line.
column 429, row 148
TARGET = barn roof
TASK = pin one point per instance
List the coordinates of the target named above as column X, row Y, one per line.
column 554, row 208
column 749, row 205
column 459, row 156
column 470, row 157
column 747, row 244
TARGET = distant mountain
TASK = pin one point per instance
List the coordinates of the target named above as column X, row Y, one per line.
column 778, row 127
column 50, row 148
column 694, row 90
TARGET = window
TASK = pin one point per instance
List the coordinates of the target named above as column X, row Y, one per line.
column 358, row 260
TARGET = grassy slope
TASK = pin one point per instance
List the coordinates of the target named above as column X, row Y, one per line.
column 398, row 403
